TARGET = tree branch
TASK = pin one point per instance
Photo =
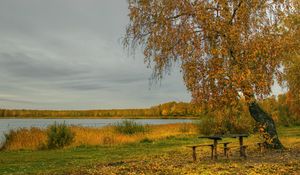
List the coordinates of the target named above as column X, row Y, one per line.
column 234, row 12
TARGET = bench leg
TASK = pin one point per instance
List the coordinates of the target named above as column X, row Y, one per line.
column 261, row 148
column 241, row 146
column 215, row 149
column 194, row 154
column 212, row 152
column 243, row 152
column 226, row 152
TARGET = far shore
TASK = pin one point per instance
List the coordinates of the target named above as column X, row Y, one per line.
column 114, row 117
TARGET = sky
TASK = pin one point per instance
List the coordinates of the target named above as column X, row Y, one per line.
column 67, row 54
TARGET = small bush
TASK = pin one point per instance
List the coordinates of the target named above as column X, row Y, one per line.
column 59, row 136
column 146, row 140
column 206, row 125
column 214, row 123
column 130, row 127
column 24, row 138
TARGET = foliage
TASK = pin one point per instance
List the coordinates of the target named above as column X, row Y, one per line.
column 130, row 127
column 170, row 109
column 59, row 136
column 293, row 105
column 292, row 66
column 283, row 109
column 292, row 77
column 226, row 48
column 226, row 121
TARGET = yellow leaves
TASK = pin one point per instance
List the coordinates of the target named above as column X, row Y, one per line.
column 231, row 40
column 178, row 161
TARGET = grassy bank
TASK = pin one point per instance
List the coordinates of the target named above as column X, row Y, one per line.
column 162, row 156
column 36, row 138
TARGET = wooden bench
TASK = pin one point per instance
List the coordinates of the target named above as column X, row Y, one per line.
column 201, row 145
column 226, row 149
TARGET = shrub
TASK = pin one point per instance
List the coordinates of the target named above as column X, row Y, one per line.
column 207, row 125
column 146, row 140
column 225, row 123
column 59, row 136
column 24, row 138
column 130, row 127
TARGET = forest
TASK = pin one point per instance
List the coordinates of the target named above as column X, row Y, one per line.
column 283, row 108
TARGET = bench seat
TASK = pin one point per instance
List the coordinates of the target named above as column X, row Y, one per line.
column 201, row 145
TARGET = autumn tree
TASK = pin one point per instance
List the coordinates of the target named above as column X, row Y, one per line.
column 227, row 49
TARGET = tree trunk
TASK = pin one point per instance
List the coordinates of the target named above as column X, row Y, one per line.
column 266, row 126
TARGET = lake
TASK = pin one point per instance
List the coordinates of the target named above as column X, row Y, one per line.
column 14, row 124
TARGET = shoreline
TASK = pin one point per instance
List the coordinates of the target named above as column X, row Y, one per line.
column 116, row 117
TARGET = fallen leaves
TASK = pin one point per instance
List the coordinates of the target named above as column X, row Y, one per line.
column 178, row 162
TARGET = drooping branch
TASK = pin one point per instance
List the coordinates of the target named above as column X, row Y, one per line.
column 235, row 11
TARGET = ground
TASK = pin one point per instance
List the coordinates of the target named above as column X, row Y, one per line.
column 166, row 156
column 178, row 162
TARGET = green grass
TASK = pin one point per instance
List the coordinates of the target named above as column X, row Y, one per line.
column 28, row 162
column 65, row 160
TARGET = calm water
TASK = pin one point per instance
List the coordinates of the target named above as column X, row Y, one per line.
column 14, row 124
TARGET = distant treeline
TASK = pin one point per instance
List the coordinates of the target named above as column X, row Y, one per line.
column 171, row 109
column 284, row 109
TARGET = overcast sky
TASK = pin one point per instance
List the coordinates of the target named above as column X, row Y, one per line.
column 67, row 54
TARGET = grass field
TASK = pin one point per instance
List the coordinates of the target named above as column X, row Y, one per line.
column 164, row 156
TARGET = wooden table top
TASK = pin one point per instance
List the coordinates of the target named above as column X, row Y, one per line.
column 236, row 135
column 214, row 137
column 219, row 137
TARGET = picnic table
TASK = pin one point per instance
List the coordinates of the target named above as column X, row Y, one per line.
column 216, row 138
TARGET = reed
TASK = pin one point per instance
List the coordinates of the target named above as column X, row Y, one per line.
column 35, row 138
column 23, row 138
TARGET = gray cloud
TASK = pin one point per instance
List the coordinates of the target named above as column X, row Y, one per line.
column 22, row 65
column 16, row 101
column 66, row 54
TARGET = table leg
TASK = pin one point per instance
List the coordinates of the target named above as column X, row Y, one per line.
column 225, row 149
column 215, row 147
column 241, row 146
column 194, row 154
column 212, row 152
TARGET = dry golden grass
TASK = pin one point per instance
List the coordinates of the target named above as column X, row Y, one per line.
column 24, row 138
column 35, row 138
